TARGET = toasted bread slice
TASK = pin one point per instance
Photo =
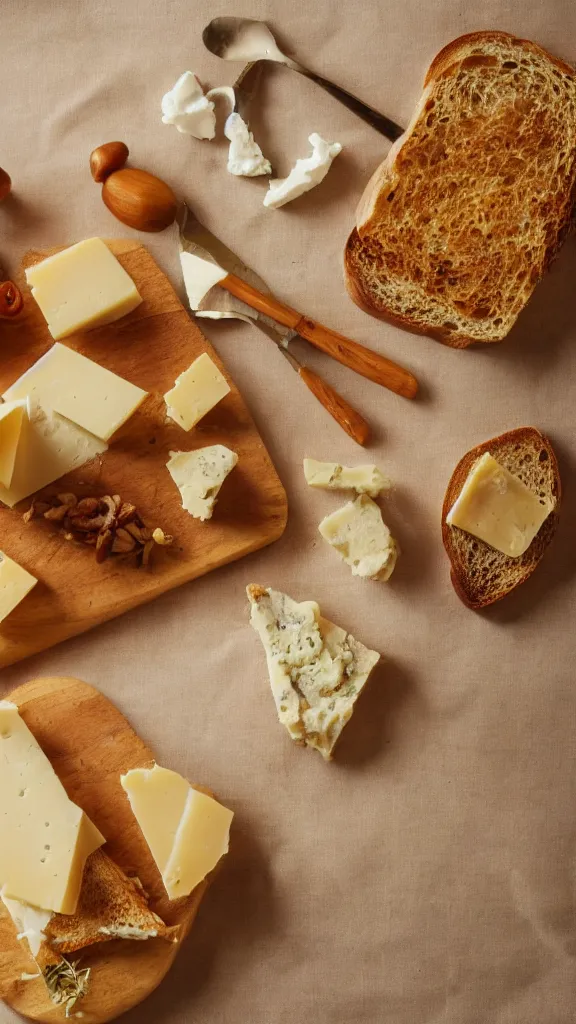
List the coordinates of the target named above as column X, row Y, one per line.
column 480, row 574
column 111, row 906
column 474, row 200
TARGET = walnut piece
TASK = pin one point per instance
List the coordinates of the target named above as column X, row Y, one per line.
column 108, row 524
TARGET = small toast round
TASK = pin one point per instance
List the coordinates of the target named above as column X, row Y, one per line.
column 481, row 575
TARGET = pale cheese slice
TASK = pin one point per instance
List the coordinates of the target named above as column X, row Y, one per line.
column 12, row 416
column 50, row 447
column 187, row 831
column 365, row 479
column 82, row 287
column 317, row 670
column 360, row 536
column 196, row 392
column 157, row 797
column 199, row 475
column 15, row 584
column 76, row 387
column 498, row 508
column 30, row 922
column 46, row 838
column 199, row 277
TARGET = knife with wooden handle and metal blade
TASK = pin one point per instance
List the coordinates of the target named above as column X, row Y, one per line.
column 216, row 303
column 203, row 270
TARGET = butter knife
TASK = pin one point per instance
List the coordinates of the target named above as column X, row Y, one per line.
column 217, row 303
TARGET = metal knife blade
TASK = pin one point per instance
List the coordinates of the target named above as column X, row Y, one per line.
column 218, row 303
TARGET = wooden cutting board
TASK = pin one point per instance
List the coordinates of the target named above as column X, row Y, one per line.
column 90, row 744
column 150, row 347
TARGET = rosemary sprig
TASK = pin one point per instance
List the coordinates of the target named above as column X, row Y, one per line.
column 66, row 984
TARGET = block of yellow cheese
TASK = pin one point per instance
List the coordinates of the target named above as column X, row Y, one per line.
column 12, row 416
column 15, row 584
column 82, row 287
column 46, row 838
column 76, row 387
column 498, row 508
column 187, row 831
column 196, row 392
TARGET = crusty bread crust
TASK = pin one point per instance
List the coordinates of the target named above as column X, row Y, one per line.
column 479, row 574
column 461, row 220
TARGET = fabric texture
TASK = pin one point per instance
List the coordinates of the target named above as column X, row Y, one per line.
column 426, row 876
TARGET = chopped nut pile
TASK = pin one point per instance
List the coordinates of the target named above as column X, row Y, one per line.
column 108, row 524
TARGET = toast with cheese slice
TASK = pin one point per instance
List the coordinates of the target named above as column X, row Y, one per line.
column 481, row 574
column 461, row 220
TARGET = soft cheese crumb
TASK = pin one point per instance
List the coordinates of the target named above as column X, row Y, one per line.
column 306, row 173
column 245, row 158
column 359, row 534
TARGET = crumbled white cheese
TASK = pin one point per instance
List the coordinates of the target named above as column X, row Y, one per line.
column 331, row 476
column 306, row 173
column 192, row 112
column 245, row 157
column 359, row 534
column 199, row 475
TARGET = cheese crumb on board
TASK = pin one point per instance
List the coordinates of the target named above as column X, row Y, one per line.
column 199, row 476
column 46, row 838
column 76, row 387
column 317, row 670
column 358, row 533
column 196, row 392
column 82, row 287
column 15, row 584
column 187, row 831
column 50, row 447
column 498, row 508
column 12, row 415
column 29, row 922
column 333, row 477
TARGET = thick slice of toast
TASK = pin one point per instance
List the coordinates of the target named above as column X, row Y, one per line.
column 461, row 220
column 480, row 574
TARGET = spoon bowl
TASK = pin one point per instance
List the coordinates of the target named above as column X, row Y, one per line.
column 242, row 39
column 245, row 39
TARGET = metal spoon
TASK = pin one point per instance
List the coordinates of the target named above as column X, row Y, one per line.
column 249, row 40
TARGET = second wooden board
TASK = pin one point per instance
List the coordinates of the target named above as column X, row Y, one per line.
column 150, row 348
column 90, row 745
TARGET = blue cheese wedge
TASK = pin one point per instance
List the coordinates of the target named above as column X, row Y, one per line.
column 199, row 476
column 360, row 536
column 331, row 476
column 317, row 670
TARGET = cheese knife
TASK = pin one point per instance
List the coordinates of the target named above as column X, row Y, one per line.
column 216, row 303
column 356, row 357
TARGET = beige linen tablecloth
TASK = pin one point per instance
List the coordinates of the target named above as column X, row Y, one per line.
column 427, row 876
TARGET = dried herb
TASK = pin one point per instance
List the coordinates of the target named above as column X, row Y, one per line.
column 66, row 984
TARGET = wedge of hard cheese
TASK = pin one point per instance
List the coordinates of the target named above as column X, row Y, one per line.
column 46, row 839
column 186, row 830
column 317, row 670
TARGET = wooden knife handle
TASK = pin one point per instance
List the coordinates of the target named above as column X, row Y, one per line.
column 356, row 357
column 341, row 410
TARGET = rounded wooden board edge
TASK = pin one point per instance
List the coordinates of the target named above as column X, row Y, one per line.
column 123, row 972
